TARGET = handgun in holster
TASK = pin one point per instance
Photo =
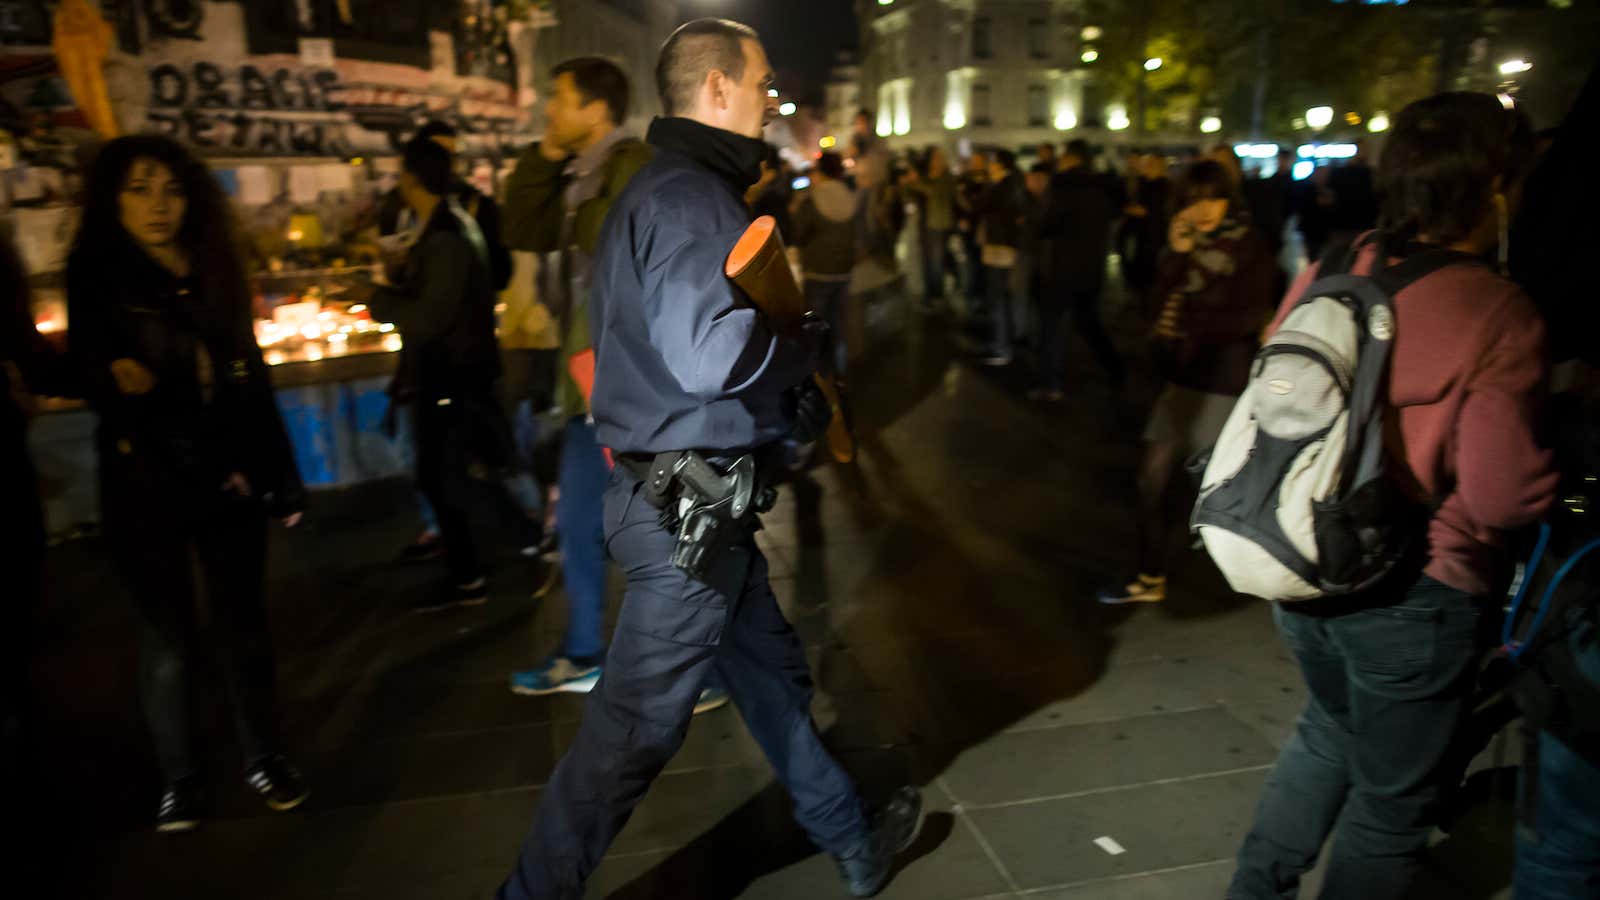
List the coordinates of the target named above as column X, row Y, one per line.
column 709, row 509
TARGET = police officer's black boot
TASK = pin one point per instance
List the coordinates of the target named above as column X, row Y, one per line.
column 866, row 867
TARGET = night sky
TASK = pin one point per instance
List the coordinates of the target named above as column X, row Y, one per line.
column 802, row 36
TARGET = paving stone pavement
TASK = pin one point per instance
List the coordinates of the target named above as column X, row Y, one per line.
column 943, row 588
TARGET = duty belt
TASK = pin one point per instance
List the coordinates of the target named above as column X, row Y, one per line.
column 707, row 508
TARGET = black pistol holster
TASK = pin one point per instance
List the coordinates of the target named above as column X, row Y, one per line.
column 708, row 509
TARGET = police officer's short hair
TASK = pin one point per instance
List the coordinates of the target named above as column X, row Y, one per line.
column 600, row 79
column 429, row 163
column 694, row 51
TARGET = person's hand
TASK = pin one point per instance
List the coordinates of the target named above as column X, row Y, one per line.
column 237, row 485
column 1167, row 323
column 132, row 377
column 292, row 519
column 551, row 151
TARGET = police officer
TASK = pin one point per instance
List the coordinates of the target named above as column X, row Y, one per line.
column 683, row 363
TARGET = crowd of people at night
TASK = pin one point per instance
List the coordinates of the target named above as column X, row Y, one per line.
column 662, row 367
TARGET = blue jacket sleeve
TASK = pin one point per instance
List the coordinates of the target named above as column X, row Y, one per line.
column 713, row 341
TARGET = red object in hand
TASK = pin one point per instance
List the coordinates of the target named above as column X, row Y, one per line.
column 581, row 368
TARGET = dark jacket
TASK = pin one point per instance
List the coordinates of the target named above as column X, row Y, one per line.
column 212, row 410
column 1079, row 212
column 484, row 210
column 825, row 230
column 443, row 304
column 683, row 362
column 1222, row 290
column 1001, row 212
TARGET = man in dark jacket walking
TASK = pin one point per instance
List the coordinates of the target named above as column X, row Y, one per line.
column 1079, row 210
column 1001, row 214
column 684, row 362
column 395, row 215
column 443, row 303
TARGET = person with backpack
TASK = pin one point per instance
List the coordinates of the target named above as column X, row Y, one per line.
column 1211, row 295
column 824, row 233
column 1387, row 443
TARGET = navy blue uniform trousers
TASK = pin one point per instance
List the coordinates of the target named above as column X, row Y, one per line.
column 672, row 632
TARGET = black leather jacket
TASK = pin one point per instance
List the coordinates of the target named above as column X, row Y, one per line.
column 212, row 411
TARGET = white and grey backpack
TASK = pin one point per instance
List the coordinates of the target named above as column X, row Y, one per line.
column 1300, row 498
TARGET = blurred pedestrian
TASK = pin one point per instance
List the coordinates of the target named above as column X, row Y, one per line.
column 1391, row 671
column 825, row 233
column 1001, row 214
column 774, row 192
column 970, row 187
column 1146, row 225
column 443, row 301
column 556, row 202
column 194, row 458
column 1077, row 220
column 935, row 187
column 1211, row 297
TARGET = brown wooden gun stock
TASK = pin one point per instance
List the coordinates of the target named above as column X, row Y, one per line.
column 760, row 267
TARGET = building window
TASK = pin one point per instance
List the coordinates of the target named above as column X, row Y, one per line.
column 980, row 105
column 1038, row 106
column 1039, row 38
column 982, row 38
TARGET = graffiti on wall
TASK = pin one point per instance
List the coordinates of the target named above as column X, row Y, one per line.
column 249, row 110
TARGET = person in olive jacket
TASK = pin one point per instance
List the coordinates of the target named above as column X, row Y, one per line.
column 194, row 457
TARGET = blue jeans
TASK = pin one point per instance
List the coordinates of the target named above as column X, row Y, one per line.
column 1390, row 677
column 1558, row 855
column 831, row 301
column 997, row 284
column 673, row 633
column 583, row 476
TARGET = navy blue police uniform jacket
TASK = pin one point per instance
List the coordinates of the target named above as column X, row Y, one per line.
column 682, row 360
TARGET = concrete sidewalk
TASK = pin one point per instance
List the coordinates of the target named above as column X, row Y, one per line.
column 944, row 589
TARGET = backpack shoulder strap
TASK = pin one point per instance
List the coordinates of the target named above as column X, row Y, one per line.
column 1340, row 257
column 1418, row 266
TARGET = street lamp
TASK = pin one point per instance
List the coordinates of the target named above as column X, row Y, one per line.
column 1118, row 119
column 1319, row 117
column 787, row 109
column 828, row 142
column 1090, row 54
column 1210, row 125
column 1091, row 32
column 1152, row 64
column 1378, row 122
column 1515, row 66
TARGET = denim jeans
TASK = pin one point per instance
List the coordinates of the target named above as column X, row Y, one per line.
column 672, row 634
column 997, row 284
column 831, row 301
column 1390, row 677
column 581, row 531
column 1558, row 851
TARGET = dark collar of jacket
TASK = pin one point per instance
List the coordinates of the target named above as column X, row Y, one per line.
column 734, row 158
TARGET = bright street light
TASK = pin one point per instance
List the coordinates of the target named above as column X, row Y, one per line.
column 1152, row 64
column 827, row 143
column 1515, row 66
column 1210, row 125
column 1091, row 32
column 1378, row 122
column 786, row 109
column 1066, row 121
column 1319, row 116
column 1090, row 54
column 1118, row 119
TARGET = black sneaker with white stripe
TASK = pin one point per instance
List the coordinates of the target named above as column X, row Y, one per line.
column 278, row 783
column 181, row 806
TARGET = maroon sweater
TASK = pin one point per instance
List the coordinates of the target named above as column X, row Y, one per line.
column 1468, row 380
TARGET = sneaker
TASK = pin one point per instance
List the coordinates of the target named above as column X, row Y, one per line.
column 427, row 546
column 711, row 698
column 558, row 675
column 550, row 546
column 473, row 594
column 278, row 783
column 998, row 360
column 181, row 807
column 865, row 868
column 1143, row 589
